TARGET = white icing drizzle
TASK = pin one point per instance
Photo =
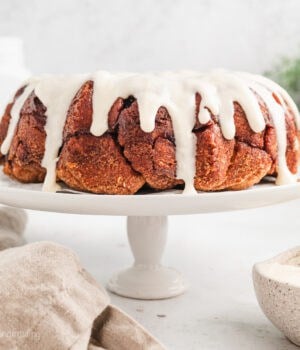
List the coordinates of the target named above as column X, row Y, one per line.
column 219, row 90
column 15, row 115
column 56, row 93
column 175, row 91
column 265, row 89
column 181, row 106
column 281, row 93
column 152, row 91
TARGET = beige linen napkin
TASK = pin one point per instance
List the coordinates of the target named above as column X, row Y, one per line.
column 49, row 302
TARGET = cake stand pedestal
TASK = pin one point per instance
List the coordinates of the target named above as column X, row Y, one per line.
column 146, row 223
column 147, row 278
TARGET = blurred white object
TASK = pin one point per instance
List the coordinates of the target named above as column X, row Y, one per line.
column 12, row 69
column 277, row 287
column 12, row 225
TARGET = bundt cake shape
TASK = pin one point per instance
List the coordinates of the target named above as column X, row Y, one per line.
column 116, row 133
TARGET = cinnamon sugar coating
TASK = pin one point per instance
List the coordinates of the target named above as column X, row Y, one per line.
column 126, row 158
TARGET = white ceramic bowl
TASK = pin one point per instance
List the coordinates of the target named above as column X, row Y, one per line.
column 277, row 287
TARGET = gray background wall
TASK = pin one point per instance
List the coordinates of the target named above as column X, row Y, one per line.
column 85, row 35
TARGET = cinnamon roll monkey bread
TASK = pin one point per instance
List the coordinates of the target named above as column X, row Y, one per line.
column 117, row 133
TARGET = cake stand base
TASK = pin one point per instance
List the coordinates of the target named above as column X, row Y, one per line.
column 147, row 278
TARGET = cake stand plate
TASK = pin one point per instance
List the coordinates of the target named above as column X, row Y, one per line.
column 146, row 223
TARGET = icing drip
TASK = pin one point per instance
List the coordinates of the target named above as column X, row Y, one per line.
column 151, row 92
column 282, row 95
column 265, row 89
column 175, row 91
column 147, row 89
column 181, row 107
column 15, row 114
column 103, row 90
column 56, row 93
column 219, row 90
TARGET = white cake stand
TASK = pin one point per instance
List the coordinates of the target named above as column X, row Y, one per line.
column 146, row 224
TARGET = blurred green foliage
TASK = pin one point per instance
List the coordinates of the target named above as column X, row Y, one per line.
column 287, row 74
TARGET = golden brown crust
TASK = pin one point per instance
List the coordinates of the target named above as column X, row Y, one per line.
column 23, row 161
column 126, row 158
column 213, row 159
column 4, row 126
column 247, row 167
column 5, row 120
column 230, row 164
column 144, row 150
column 292, row 151
column 91, row 163
column 96, row 164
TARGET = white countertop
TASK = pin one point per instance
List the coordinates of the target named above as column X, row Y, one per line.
column 214, row 251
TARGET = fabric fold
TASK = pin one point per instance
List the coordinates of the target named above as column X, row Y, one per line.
column 49, row 302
